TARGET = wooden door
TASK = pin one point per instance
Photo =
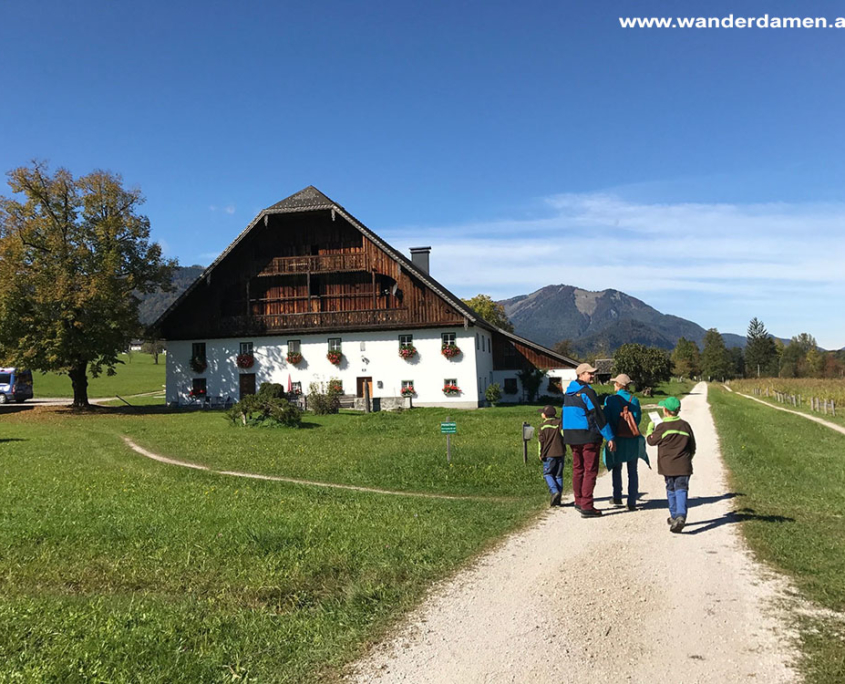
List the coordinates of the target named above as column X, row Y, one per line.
column 360, row 386
column 247, row 384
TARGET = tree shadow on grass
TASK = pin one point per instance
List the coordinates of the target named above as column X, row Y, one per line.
column 11, row 439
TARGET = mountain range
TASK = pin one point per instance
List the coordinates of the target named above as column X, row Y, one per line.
column 553, row 313
column 609, row 318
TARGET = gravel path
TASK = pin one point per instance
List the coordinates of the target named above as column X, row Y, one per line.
column 615, row 599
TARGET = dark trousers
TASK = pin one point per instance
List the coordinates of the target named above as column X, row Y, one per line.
column 585, row 469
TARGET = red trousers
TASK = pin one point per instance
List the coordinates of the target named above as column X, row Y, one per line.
column 585, row 469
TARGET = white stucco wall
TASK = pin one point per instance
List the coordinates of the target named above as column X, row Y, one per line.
column 566, row 376
column 379, row 359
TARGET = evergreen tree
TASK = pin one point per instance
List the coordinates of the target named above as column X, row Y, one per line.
column 686, row 359
column 715, row 359
column 760, row 351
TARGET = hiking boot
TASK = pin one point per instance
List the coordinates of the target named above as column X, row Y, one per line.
column 632, row 507
column 669, row 520
column 577, row 507
column 555, row 500
column 590, row 513
column 617, row 502
column 678, row 524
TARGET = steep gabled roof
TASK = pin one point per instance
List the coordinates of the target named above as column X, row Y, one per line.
column 311, row 199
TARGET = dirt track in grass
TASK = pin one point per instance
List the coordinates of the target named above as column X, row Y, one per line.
column 617, row 598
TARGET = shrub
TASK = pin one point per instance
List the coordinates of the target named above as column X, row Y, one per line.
column 256, row 410
column 272, row 390
column 324, row 399
column 493, row 393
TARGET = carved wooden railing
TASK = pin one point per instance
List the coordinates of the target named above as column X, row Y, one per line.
column 336, row 320
column 315, row 264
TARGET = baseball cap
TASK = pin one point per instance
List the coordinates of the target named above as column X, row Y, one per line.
column 671, row 404
column 622, row 379
column 584, row 368
column 548, row 411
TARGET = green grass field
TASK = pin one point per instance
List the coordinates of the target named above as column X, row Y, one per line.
column 792, row 477
column 117, row 568
column 136, row 375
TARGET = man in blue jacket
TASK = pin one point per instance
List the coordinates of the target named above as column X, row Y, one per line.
column 584, row 427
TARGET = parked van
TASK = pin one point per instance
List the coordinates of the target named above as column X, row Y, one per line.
column 15, row 385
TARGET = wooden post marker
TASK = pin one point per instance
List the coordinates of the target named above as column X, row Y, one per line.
column 448, row 428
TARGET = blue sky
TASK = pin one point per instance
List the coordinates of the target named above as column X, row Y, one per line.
column 530, row 144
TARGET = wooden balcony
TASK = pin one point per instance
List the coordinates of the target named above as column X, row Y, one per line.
column 326, row 263
column 324, row 320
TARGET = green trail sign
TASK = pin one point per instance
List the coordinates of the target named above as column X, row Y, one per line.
column 448, row 428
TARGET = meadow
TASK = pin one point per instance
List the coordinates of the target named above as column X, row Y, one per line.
column 136, row 374
column 805, row 388
column 121, row 569
column 117, row 568
column 792, row 483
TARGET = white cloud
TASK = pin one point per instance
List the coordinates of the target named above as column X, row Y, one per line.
column 716, row 264
column 230, row 209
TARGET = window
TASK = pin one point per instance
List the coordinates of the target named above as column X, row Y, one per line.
column 450, row 381
column 448, row 338
column 334, row 344
column 406, row 339
column 482, row 343
column 476, row 341
column 198, row 388
column 198, row 350
column 490, row 345
column 510, row 386
column 246, row 348
column 296, row 387
column 407, row 383
column 294, row 347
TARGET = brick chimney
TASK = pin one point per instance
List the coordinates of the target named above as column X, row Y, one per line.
column 419, row 258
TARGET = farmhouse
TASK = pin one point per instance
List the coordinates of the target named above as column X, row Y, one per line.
column 307, row 293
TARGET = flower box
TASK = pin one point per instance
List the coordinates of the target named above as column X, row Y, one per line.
column 334, row 357
column 294, row 358
column 407, row 351
column 245, row 360
column 197, row 394
column 408, row 391
column 198, row 364
column 450, row 351
column 451, row 390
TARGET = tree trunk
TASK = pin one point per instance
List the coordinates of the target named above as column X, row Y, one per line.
column 79, row 379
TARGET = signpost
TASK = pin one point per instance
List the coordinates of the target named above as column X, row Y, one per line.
column 448, row 428
column 527, row 434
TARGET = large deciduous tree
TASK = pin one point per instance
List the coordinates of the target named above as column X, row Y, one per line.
column 646, row 366
column 490, row 311
column 73, row 254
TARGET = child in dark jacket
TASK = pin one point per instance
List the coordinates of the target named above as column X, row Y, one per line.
column 552, row 453
column 675, row 443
